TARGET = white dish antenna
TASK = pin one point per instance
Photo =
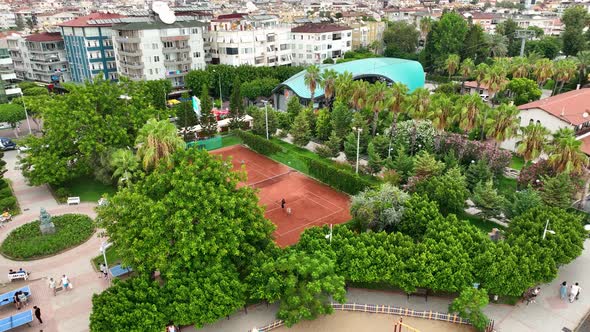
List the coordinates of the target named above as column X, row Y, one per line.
column 585, row 115
column 164, row 12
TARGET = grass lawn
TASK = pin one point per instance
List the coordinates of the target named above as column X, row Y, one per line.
column 517, row 162
column 88, row 189
column 506, row 186
column 230, row 140
column 479, row 222
column 113, row 258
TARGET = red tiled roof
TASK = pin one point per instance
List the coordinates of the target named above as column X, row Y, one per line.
column 319, row 28
column 82, row 21
column 569, row 106
column 44, row 37
column 585, row 145
column 473, row 84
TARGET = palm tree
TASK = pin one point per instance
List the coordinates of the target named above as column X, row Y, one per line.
column 495, row 80
column 583, row 64
column 466, row 70
column 481, row 71
column 469, row 112
column 498, row 44
column 397, row 97
column 312, row 79
column 533, row 57
column 441, row 113
column 358, row 96
column 565, row 154
column 378, row 97
column 543, row 70
column 533, row 141
column 452, row 64
column 417, row 104
column 125, row 164
column 328, row 83
column 520, row 67
column 342, row 85
column 504, row 123
column 565, row 70
column 156, row 142
column 425, row 27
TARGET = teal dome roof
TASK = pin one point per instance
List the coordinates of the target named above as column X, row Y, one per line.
column 403, row 71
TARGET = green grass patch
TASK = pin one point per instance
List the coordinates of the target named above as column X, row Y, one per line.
column 113, row 258
column 506, row 186
column 517, row 162
column 230, row 140
column 88, row 189
column 27, row 243
column 484, row 225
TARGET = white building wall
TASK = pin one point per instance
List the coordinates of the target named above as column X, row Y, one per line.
column 548, row 121
column 314, row 48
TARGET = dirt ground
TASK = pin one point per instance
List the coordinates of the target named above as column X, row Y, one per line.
column 346, row 321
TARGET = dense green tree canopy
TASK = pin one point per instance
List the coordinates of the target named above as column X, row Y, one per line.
column 401, row 36
column 446, row 37
column 575, row 20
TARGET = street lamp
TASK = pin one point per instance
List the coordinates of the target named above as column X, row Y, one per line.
column 358, row 146
column 265, row 102
column 547, row 230
column 103, row 249
column 26, row 113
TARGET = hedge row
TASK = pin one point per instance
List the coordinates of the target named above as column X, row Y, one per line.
column 335, row 177
column 258, row 143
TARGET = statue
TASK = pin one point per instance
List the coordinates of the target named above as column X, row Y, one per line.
column 47, row 227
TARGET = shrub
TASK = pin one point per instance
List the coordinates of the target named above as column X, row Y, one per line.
column 258, row 144
column 27, row 242
column 62, row 194
column 5, row 192
column 324, row 151
column 335, row 177
column 467, row 151
column 7, row 203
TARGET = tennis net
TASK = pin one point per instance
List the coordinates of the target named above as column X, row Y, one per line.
column 271, row 180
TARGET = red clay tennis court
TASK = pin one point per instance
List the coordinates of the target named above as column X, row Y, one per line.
column 311, row 203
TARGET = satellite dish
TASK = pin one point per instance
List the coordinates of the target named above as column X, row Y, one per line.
column 164, row 13
column 585, row 115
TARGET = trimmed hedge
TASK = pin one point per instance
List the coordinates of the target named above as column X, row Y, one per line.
column 335, row 177
column 258, row 144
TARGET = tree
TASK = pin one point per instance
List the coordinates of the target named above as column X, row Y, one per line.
column 236, row 106
column 475, row 46
column 548, row 47
column 403, row 164
column 565, row 70
column 375, row 161
column 328, row 83
column 523, row 90
column 466, row 70
column 312, row 79
column 533, row 141
column 469, row 306
column 323, row 124
column 495, row 79
column 400, row 37
column 305, row 284
column 417, row 104
column 260, row 119
column 447, row 37
column 36, row 91
column 478, row 172
column 481, row 72
column 158, row 91
column 498, row 45
column 359, row 94
column 503, row 123
column 125, row 165
column 343, row 85
column 185, row 115
column 377, row 99
column 341, row 118
column 203, row 249
column 397, row 98
column 195, row 79
column 300, row 130
column 520, row 67
column 442, row 111
column 452, row 64
column 12, row 114
column 575, row 19
column 207, row 121
column 565, row 153
column 558, row 191
column 157, row 141
column 425, row 27
column 448, row 190
column 418, row 213
column 379, row 209
column 334, row 143
column 293, row 107
column 508, row 29
column 260, row 87
column 521, row 201
column 486, row 197
column 583, row 58
column 543, row 70
column 469, row 111
column 425, row 165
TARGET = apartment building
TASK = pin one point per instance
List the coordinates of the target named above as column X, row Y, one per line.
column 257, row 40
column 8, row 87
column 47, row 56
column 7, row 17
column 17, row 49
column 314, row 43
column 46, row 20
column 152, row 50
column 551, row 25
column 365, row 33
column 89, row 46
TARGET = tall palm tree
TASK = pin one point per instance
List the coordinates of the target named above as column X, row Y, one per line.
column 397, row 96
column 328, row 83
column 452, row 64
column 312, row 79
column 583, row 64
column 495, row 80
column 358, row 96
column 442, row 108
column 342, row 85
column 156, row 142
column 480, row 72
column 466, row 70
column 469, row 111
column 377, row 98
column 543, row 70
column 520, row 67
column 504, row 123
column 498, row 44
column 565, row 70
column 533, row 141
column 124, row 164
column 533, row 57
column 417, row 104
column 565, row 154
column 425, row 27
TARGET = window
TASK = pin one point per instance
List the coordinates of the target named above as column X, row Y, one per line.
column 232, row 50
column 348, row 34
column 348, row 43
column 155, row 46
column 151, row 72
column 168, row 44
column 284, row 47
column 323, row 37
column 309, row 56
column 157, row 71
column 196, row 54
column 156, row 58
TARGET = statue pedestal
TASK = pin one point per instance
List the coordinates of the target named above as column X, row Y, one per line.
column 48, row 228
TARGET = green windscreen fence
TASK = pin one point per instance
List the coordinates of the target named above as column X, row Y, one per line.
column 207, row 144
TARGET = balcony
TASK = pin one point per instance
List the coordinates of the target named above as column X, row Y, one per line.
column 128, row 40
column 130, row 52
column 133, row 76
column 132, row 65
column 176, row 73
column 186, row 61
column 47, row 60
column 167, row 50
column 174, row 38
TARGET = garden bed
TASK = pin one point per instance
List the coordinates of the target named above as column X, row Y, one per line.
column 87, row 188
column 8, row 201
column 27, row 243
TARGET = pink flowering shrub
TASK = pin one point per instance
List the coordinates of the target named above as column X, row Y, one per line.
column 468, row 151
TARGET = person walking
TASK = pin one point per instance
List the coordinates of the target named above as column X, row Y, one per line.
column 563, row 291
column 283, row 202
column 533, row 296
column 574, row 291
column 52, row 286
column 104, row 271
column 65, row 282
column 38, row 314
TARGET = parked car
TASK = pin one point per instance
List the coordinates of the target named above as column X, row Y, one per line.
column 7, row 144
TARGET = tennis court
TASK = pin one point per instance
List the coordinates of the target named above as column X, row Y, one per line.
column 311, row 203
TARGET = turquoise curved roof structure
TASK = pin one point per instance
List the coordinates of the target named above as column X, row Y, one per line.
column 404, row 71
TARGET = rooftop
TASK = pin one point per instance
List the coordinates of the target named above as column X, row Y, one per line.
column 82, row 21
column 319, row 28
column 157, row 24
column 572, row 106
column 44, row 37
column 404, row 71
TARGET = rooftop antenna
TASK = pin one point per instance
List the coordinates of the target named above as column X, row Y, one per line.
column 164, row 12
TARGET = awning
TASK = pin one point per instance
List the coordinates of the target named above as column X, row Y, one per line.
column 173, row 102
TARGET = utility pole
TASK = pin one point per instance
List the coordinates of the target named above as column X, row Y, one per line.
column 524, row 35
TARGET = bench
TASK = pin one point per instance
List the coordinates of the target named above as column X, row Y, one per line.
column 73, row 200
column 18, row 275
column 118, row 270
column 8, row 298
column 20, row 319
column 419, row 292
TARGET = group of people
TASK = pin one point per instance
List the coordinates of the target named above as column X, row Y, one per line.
column 104, row 271
column 571, row 293
column 65, row 284
column 20, row 270
column 20, row 298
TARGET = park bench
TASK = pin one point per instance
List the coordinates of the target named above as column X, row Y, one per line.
column 8, row 297
column 118, row 270
column 16, row 320
column 73, row 200
column 419, row 292
column 18, row 275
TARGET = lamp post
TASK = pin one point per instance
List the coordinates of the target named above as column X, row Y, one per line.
column 103, row 249
column 266, row 115
column 547, row 230
column 358, row 146
column 26, row 113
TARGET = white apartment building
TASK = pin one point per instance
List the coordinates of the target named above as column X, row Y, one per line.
column 315, row 42
column 153, row 50
column 47, row 56
column 18, row 51
column 7, row 17
column 258, row 40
